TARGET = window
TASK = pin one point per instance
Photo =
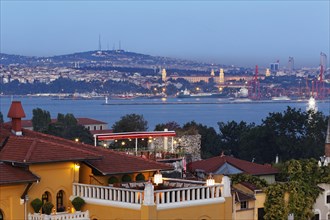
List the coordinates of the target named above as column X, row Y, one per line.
column 100, row 127
column 316, row 217
column 261, row 213
column 94, row 127
column 89, row 127
column 328, row 199
column 45, row 198
column 59, row 202
column 244, row 205
column 328, row 216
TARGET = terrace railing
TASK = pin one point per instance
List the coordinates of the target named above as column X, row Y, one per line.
column 180, row 193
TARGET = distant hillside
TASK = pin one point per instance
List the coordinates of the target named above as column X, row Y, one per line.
column 110, row 58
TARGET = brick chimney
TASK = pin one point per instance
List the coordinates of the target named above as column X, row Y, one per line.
column 16, row 113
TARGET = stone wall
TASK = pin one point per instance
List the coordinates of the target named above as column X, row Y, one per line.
column 186, row 144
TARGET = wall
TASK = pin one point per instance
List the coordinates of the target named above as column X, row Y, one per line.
column 320, row 205
column 107, row 212
column 10, row 201
column 190, row 144
column 53, row 178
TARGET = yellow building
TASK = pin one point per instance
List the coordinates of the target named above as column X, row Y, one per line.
column 35, row 165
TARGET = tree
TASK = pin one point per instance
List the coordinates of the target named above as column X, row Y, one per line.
column 67, row 127
column 231, row 134
column 171, row 126
column 129, row 123
column 296, row 134
column 1, row 117
column 40, row 120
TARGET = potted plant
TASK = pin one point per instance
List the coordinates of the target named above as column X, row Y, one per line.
column 78, row 203
column 36, row 205
column 112, row 180
column 47, row 207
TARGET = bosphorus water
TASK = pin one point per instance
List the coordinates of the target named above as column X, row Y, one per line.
column 205, row 111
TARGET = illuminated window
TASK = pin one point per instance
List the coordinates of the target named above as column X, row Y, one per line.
column 59, row 202
column 45, row 198
column 244, row 205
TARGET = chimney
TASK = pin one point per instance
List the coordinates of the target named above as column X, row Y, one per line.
column 16, row 113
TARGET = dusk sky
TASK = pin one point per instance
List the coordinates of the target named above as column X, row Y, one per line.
column 243, row 33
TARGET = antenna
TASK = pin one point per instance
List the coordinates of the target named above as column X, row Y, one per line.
column 100, row 48
column 119, row 45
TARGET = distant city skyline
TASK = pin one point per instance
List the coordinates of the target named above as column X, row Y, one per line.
column 240, row 33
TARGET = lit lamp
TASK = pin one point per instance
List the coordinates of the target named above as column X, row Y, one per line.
column 76, row 166
column 158, row 178
column 210, row 181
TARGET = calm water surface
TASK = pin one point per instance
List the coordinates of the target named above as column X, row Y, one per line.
column 205, row 111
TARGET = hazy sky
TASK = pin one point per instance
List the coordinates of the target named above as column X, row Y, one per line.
column 242, row 33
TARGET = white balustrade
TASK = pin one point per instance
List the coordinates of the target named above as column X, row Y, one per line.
column 114, row 194
column 60, row 216
column 178, row 195
column 132, row 196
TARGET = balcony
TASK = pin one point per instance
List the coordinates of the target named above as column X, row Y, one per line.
column 60, row 216
column 172, row 193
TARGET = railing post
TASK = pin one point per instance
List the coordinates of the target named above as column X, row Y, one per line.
column 148, row 199
column 226, row 187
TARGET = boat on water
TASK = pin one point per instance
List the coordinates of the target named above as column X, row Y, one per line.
column 186, row 94
column 123, row 96
column 281, row 98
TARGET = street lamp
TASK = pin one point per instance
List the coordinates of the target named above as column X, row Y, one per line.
column 158, row 178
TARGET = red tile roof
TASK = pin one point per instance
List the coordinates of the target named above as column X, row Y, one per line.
column 89, row 121
column 213, row 164
column 10, row 174
column 35, row 147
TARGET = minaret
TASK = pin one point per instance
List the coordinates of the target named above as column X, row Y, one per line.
column 164, row 75
column 221, row 77
column 327, row 144
column 212, row 73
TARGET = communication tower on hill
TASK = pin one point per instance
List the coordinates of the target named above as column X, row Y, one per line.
column 100, row 47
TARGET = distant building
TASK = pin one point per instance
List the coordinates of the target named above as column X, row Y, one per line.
column 267, row 72
column 91, row 124
column 212, row 73
column 274, row 67
column 221, row 77
column 164, row 75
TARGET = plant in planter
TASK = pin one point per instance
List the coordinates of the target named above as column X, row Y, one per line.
column 47, row 207
column 140, row 177
column 36, row 205
column 112, row 180
column 126, row 178
column 78, row 203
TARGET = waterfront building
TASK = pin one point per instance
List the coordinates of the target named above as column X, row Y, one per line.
column 114, row 185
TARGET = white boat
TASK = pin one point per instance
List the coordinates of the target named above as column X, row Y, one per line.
column 281, row 98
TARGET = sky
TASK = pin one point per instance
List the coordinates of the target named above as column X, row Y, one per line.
column 241, row 33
